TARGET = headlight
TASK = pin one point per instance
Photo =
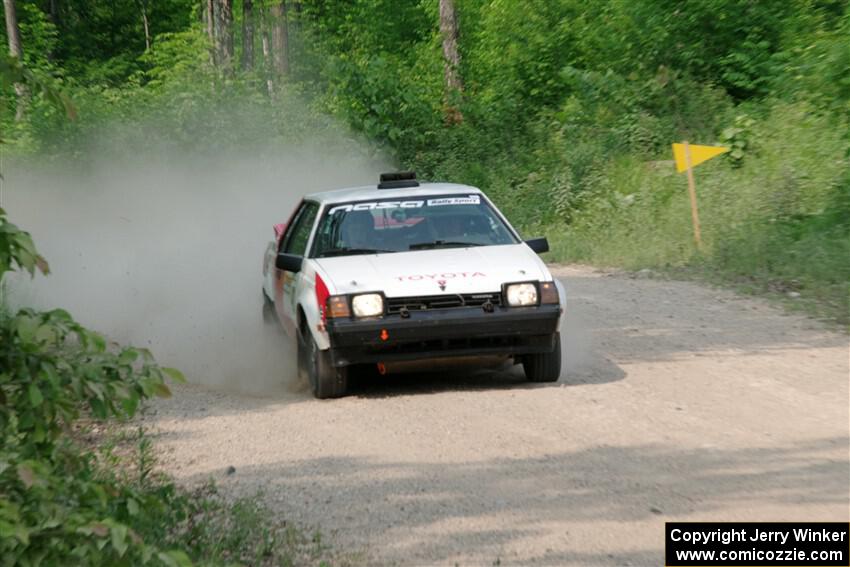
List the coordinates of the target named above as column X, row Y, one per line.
column 521, row 294
column 367, row 305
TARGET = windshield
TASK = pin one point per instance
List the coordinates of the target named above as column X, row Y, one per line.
column 391, row 225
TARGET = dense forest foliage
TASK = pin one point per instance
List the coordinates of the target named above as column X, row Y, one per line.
column 562, row 110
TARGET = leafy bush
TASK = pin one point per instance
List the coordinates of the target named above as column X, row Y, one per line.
column 55, row 502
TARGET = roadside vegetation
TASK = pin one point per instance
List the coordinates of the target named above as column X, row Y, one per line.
column 78, row 480
column 563, row 111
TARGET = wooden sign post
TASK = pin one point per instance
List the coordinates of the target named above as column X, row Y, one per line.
column 688, row 156
column 692, row 189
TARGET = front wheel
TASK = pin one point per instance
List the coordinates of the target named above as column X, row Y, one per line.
column 544, row 366
column 326, row 381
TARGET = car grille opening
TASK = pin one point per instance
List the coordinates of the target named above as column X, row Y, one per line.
column 445, row 301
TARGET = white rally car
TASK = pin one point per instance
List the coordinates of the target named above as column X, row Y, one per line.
column 385, row 276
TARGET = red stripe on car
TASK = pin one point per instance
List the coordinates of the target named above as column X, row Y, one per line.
column 322, row 295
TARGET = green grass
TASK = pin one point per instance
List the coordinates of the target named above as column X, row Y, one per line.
column 776, row 223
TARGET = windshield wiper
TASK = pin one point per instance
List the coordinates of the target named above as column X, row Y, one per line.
column 442, row 244
column 352, row 251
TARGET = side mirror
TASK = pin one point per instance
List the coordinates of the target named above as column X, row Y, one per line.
column 288, row 262
column 539, row 245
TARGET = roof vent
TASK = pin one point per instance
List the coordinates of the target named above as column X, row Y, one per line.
column 398, row 180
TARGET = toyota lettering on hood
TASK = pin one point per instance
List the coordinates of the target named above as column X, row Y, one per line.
column 442, row 279
column 462, row 270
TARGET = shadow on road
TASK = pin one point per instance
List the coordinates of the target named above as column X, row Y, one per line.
column 581, row 364
column 640, row 320
column 546, row 495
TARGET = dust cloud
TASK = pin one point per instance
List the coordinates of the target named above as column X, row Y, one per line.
column 166, row 253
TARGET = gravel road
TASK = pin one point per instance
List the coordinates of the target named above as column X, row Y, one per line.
column 677, row 402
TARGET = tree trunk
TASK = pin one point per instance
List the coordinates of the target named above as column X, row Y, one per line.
column 12, row 30
column 264, row 32
column 53, row 18
column 247, row 35
column 53, row 13
column 451, row 65
column 113, row 31
column 280, row 38
column 297, row 7
column 225, row 33
column 143, row 5
column 16, row 51
column 209, row 19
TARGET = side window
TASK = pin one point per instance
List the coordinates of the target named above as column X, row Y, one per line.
column 296, row 242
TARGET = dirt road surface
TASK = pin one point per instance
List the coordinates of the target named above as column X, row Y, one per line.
column 677, row 402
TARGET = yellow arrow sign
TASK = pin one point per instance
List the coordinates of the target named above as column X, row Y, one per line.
column 699, row 154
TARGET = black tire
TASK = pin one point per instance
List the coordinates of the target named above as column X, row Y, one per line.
column 269, row 316
column 325, row 380
column 545, row 366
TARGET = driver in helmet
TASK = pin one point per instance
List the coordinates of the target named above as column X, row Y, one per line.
column 358, row 230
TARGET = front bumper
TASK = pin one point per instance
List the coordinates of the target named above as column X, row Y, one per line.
column 439, row 333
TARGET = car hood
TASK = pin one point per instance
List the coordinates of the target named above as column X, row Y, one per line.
column 422, row 272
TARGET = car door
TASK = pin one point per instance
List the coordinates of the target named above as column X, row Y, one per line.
column 295, row 242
